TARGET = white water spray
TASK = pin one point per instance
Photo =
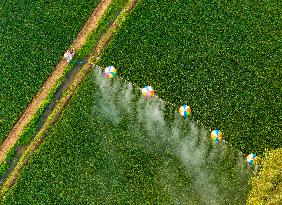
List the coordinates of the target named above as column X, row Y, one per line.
column 204, row 162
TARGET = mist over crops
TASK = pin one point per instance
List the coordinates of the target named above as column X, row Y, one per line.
column 112, row 146
column 188, row 142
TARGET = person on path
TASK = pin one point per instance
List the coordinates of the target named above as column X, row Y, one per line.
column 69, row 55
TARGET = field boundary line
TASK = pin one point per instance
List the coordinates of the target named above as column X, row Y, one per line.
column 103, row 42
column 59, row 71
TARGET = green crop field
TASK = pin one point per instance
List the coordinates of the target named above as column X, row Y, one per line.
column 223, row 57
column 33, row 37
column 112, row 147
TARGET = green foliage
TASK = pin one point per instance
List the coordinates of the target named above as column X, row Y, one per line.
column 5, row 165
column 31, row 128
column 28, row 132
column 33, row 36
column 108, row 18
column 267, row 184
column 223, row 57
column 87, row 159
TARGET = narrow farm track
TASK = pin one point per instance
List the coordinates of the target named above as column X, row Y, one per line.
column 100, row 46
column 58, row 72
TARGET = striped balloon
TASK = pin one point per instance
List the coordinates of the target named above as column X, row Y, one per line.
column 251, row 158
column 148, row 91
column 216, row 135
column 110, row 71
column 185, row 111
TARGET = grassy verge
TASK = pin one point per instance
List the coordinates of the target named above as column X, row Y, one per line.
column 29, row 131
column 32, row 43
column 113, row 10
column 31, row 128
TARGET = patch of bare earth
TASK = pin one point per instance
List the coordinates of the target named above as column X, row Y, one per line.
column 42, row 94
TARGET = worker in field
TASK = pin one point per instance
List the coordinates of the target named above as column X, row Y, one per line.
column 69, row 55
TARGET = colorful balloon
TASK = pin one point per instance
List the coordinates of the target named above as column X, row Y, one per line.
column 148, row 91
column 216, row 135
column 110, row 71
column 251, row 158
column 185, row 110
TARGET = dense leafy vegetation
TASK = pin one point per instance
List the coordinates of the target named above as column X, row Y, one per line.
column 206, row 53
column 98, row 153
column 26, row 135
column 33, row 36
column 267, row 185
column 80, row 54
column 224, row 57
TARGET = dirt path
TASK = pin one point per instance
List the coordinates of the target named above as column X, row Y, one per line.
column 42, row 94
column 101, row 44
